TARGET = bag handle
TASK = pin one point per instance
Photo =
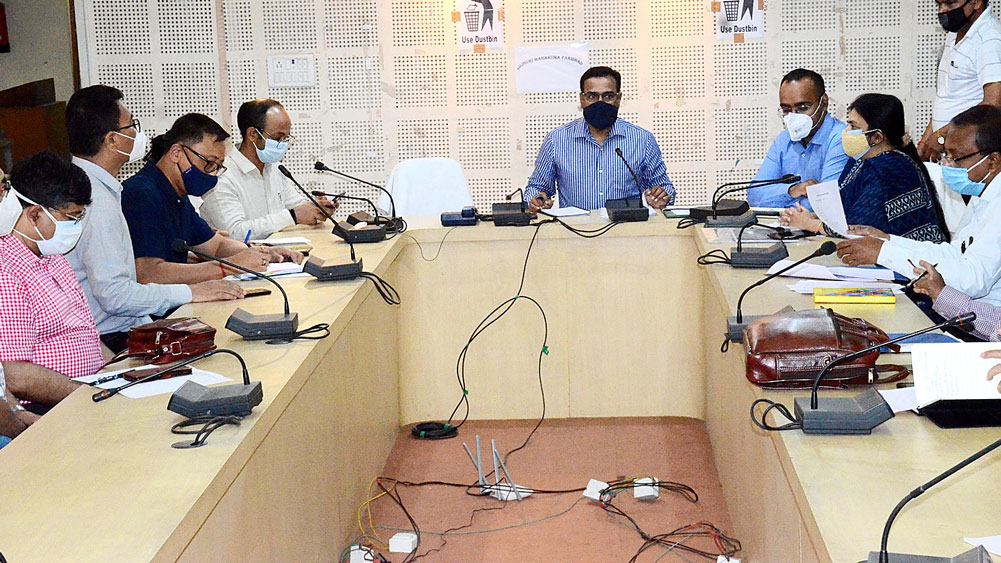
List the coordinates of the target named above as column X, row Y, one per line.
column 834, row 381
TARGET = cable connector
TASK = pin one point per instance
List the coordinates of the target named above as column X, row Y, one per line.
column 594, row 489
column 403, row 542
column 725, row 559
column 646, row 489
column 361, row 554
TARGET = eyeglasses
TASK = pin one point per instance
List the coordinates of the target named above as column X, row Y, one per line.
column 607, row 97
column 289, row 139
column 75, row 218
column 211, row 166
column 947, row 160
column 804, row 107
column 133, row 125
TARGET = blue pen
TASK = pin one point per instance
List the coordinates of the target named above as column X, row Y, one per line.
column 247, row 240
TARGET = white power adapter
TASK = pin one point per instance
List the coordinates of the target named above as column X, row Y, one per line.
column 360, row 554
column 646, row 489
column 725, row 559
column 403, row 542
column 594, row 488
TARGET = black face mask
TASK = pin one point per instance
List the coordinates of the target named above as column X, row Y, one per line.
column 954, row 20
column 601, row 115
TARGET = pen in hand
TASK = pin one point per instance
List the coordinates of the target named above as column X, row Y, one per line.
column 910, row 284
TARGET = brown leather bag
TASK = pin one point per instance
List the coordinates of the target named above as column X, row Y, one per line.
column 788, row 350
column 169, row 340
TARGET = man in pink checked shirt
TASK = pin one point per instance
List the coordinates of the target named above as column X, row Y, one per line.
column 46, row 330
column 950, row 302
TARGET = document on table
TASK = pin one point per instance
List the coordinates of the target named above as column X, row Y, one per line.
column 157, row 387
column 565, row 211
column 806, row 287
column 991, row 543
column 842, row 273
column 825, row 198
column 286, row 241
column 284, row 269
column 900, row 400
column 953, row 371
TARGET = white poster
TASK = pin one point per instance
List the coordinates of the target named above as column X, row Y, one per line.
column 480, row 24
column 737, row 20
column 549, row 69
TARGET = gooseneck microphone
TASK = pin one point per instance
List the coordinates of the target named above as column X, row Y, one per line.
column 369, row 233
column 621, row 210
column 758, row 257
column 248, row 325
column 719, row 194
column 863, row 412
column 884, row 557
column 825, row 249
column 324, row 168
column 639, row 186
column 732, row 213
column 318, row 193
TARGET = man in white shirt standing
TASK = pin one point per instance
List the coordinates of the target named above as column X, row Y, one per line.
column 969, row 72
column 253, row 198
column 103, row 137
column 971, row 263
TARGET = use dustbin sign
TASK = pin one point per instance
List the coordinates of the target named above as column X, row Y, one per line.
column 737, row 20
column 480, row 24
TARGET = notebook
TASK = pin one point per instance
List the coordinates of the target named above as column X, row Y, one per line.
column 853, row 295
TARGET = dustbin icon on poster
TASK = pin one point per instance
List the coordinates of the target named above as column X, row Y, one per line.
column 472, row 15
column 731, row 7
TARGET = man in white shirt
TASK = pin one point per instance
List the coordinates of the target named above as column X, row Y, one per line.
column 103, row 137
column 971, row 263
column 969, row 72
column 253, row 198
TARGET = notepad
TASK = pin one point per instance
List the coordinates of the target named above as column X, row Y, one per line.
column 276, row 269
column 953, row 371
column 853, row 295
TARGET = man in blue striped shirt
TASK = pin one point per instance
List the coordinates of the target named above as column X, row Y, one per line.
column 584, row 159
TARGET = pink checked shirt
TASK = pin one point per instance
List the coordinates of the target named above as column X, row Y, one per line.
column 44, row 316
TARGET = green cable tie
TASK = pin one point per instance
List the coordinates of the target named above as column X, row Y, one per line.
column 545, row 350
column 447, row 426
column 465, row 391
column 422, row 433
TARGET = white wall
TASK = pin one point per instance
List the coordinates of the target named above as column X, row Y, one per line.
column 40, row 45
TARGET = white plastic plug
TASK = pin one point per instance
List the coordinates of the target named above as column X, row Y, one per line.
column 403, row 542
column 594, row 488
column 361, row 554
column 724, row 559
column 646, row 489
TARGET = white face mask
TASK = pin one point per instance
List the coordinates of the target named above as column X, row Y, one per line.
column 64, row 239
column 800, row 125
column 10, row 211
column 138, row 146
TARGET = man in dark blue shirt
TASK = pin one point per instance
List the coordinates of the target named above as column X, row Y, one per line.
column 186, row 160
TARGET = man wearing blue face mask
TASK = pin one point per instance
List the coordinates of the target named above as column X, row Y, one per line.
column 252, row 196
column 971, row 262
column 583, row 160
column 185, row 160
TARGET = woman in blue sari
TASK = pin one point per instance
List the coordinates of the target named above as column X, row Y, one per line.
column 884, row 184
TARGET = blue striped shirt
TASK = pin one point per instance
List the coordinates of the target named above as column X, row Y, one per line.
column 587, row 173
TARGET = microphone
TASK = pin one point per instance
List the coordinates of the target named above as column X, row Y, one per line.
column 732, row 213
column 248, row 325
column 758, row 257
column 511, row 214
column 977, row 554
column 373, row 219
column 369, row 233
column 619, row 209
column 736, row 325
column 860, row 414
column 521, row 201
column 324, row 168
column 235, row 399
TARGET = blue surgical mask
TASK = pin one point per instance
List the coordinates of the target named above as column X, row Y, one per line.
column 273, row 151
column 196, row 182
column 958, row 179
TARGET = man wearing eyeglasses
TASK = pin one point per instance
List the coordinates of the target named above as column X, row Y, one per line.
column 583, row 160
column 810, row 147
column 186, row 160
column 104, row 137
column 971, row 264
column 252, row 197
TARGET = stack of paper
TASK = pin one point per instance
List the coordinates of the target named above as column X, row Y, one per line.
column 286, row 241
column 565, row 212
column 953, row 371
column 834, row 273
column 285, row 269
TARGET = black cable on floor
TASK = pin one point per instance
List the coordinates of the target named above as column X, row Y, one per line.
column 386, row 291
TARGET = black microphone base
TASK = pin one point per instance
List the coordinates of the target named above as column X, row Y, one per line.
column 975, row 555
column 725, row 208
column 844, row 416
column 510, row 215
column 735, row 330
column 628, row 214
column 369, row 233
column 323, row 270
column 731, row 221
column 262, row 327
column 754, row 257
column 236, row 399
column 362, row 216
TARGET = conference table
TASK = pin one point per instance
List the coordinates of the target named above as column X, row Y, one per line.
column 634, row 330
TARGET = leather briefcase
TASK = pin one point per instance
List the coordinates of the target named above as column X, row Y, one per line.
column 169, row 340
column 788, row 350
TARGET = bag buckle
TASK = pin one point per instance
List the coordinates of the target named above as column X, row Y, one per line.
column 175, row 348
column 872, row 375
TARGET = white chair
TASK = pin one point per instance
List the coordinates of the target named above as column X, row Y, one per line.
column 953, row 206
column 426, row 186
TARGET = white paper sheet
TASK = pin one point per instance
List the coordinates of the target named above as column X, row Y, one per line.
column 159, row 387
column 953, row 371
column 990, row 543
column 555, row 68
column 900, row 400
column 565, row 211
column 873, row 274
column 286, row 241
column 806, row 287
column 679, row 210
column 837, row 273
column 284, row 269
column 825, row 198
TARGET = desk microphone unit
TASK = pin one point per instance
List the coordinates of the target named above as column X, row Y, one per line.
column 249, row 325
column 360, row 226
column 236, row 399
column 511, row 214
column 736, row 325
column 862, row 413
column 764, row 257
column 359, row 216
column 628, row 209
column 728, row 213
column 975, row 555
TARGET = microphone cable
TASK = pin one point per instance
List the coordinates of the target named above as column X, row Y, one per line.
column 386, row 291
column 209, row 424
column 761, row 422
column 715, row 256
column 440, row 244
column 303, row 334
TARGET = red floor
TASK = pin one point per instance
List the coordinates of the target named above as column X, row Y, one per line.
column 563, row 454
